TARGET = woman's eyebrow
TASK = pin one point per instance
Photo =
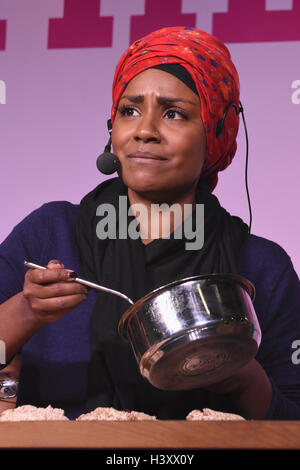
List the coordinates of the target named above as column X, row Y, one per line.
column 163, row 100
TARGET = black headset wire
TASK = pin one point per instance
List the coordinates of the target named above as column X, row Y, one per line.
column 241, row 109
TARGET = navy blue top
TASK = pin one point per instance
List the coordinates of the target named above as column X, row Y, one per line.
column 55, row 360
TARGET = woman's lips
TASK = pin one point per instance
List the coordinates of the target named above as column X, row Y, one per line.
column 146, row 157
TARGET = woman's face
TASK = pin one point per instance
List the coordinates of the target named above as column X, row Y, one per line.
column 158, row 136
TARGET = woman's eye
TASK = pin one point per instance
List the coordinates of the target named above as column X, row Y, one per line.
column 174, row 114
column 128, row 111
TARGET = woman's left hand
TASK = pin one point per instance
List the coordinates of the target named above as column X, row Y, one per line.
column 250, row 390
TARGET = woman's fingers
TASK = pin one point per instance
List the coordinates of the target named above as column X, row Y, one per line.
column 52, row 289
column 55, row 264
column 47, row 276
column 50, row 292
column 56, row 305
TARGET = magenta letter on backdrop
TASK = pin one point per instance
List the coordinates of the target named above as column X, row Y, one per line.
column 2, row 34
column 158, row 14
column 250, row 22
column 81, row 26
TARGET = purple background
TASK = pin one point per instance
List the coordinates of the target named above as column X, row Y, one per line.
column 58, row 98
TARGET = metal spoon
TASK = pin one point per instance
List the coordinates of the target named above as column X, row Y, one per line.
column 85, row 283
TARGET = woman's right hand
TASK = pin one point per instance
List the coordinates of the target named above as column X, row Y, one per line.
column 50, row 293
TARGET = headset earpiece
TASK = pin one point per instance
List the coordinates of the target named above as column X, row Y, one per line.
column 220, row 123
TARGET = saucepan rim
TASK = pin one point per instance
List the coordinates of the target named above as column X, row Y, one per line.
column 132, row 310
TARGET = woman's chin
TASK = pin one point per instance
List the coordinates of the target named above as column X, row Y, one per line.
column 145, row 189
column 142, row 182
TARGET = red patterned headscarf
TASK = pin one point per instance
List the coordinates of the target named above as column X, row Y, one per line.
column 208, row 62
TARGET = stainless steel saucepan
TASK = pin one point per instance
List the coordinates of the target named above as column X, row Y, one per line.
column 190, row 333
column 193, row 332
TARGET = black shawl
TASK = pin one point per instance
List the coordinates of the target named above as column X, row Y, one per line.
column 129, row 266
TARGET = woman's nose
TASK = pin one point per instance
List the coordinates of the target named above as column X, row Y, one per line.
column 147, row 129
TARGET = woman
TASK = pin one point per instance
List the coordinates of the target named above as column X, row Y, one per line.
column 170, row 92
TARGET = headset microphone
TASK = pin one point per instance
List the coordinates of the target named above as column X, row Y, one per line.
column 107, row 163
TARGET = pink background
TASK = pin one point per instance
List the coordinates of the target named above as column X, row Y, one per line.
column 58, row 78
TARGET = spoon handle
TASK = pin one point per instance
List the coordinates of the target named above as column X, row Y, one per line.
column 85, row 283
